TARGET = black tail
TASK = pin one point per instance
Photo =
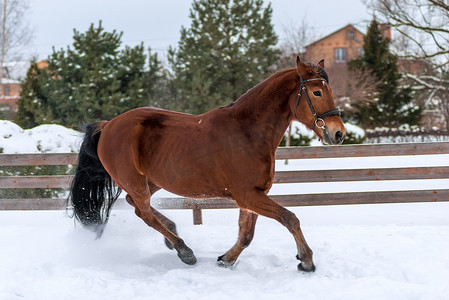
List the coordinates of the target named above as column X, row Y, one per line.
column 93, row 192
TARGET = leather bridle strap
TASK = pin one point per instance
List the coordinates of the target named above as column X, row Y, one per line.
column 318, row 117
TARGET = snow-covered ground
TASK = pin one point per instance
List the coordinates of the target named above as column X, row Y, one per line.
column 390, row 251
column 395, row 251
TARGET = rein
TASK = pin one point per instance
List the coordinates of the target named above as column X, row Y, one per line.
column 318, row 117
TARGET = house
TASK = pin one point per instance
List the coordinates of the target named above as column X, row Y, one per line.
column 339, row 47
column 345, row 44
column 9, row 95
column 10, row 91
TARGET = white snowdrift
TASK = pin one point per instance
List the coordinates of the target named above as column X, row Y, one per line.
column 41, row 139
column 301, row 129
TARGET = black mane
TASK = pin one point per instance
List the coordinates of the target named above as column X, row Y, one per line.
column 321, row 71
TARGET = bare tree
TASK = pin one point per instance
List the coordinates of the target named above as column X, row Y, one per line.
column 14, row 31
column 435, row 90
column 296, row 36
column 352, row 89
column 423, row 28
column 425, row 24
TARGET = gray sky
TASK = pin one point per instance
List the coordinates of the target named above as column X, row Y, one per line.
column 158, row 22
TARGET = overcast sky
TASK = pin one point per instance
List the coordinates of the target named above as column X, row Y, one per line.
column 158, row 22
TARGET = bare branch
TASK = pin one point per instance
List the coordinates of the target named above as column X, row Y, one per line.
column 430, row 82
column 14, row 31
column 424, row 25
column 426, row 21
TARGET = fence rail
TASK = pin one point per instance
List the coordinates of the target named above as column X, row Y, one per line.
column 373, row 174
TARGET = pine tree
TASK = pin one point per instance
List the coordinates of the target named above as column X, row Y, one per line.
column 32, row 106
column 94, row 80
column 394, row 105
column 228, row 49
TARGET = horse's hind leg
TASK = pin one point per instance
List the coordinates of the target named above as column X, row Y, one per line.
column 166, row 221
column 139, row 194
column 150, row 218
column 247, row 224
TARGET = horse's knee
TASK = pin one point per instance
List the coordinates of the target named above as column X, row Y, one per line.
column 289, row 220
column 246, row 240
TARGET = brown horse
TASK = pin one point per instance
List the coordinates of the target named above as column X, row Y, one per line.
column 228, row 152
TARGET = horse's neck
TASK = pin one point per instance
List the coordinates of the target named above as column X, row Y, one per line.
column 265, row 109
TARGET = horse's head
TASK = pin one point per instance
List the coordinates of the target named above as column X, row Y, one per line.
column 314, row 105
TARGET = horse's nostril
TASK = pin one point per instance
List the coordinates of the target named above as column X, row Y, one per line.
column 339, row 136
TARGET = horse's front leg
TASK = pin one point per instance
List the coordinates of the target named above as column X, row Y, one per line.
column 247, row 224
column 258, row 202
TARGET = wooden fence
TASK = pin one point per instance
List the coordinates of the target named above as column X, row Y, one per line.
column 372, row 174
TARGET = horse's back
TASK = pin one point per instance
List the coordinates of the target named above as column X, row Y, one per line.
column 169, row 148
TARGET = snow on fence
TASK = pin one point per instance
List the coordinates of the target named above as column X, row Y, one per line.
column 405, row 134
column 281, row 177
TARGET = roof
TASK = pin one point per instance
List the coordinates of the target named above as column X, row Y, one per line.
column 10, row 81
column 330, row 34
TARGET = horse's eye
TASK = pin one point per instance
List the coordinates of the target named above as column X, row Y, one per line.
column 317, row 93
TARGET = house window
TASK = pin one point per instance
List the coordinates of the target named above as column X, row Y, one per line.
column 360, row 51
column 6, row 91
column 340, row 54
column 351, row 35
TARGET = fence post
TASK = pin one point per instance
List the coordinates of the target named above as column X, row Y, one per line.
column 197, row 216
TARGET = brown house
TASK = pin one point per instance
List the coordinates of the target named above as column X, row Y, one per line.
column 338, row 47
column 346, row 44
column 9, row 95
column 341, row 46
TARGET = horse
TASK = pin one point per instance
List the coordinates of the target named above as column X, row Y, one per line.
column 228, row 152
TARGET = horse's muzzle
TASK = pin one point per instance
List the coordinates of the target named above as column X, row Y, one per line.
column 331, row 137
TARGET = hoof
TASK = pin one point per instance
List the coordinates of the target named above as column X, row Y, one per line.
column 302, row 267
column 308, row 269
column 221, row 262
column 187, row 256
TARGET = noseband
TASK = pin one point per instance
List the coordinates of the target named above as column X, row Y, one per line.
column 318, row 117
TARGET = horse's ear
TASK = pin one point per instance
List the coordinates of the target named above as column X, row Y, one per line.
column 321, row 63
column 301, row 67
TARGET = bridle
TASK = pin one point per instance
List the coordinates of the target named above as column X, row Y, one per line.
column 318, row 117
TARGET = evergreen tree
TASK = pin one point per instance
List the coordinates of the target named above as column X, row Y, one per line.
column 394, row 104
column 228, row 49
column 93, row 81
column 32, row 106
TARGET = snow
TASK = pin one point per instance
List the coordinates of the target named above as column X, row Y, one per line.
column 301, row 129
column 385, row 251
column 10, row 81
column 356, row 130
column 395, row 251
column 41, row 139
